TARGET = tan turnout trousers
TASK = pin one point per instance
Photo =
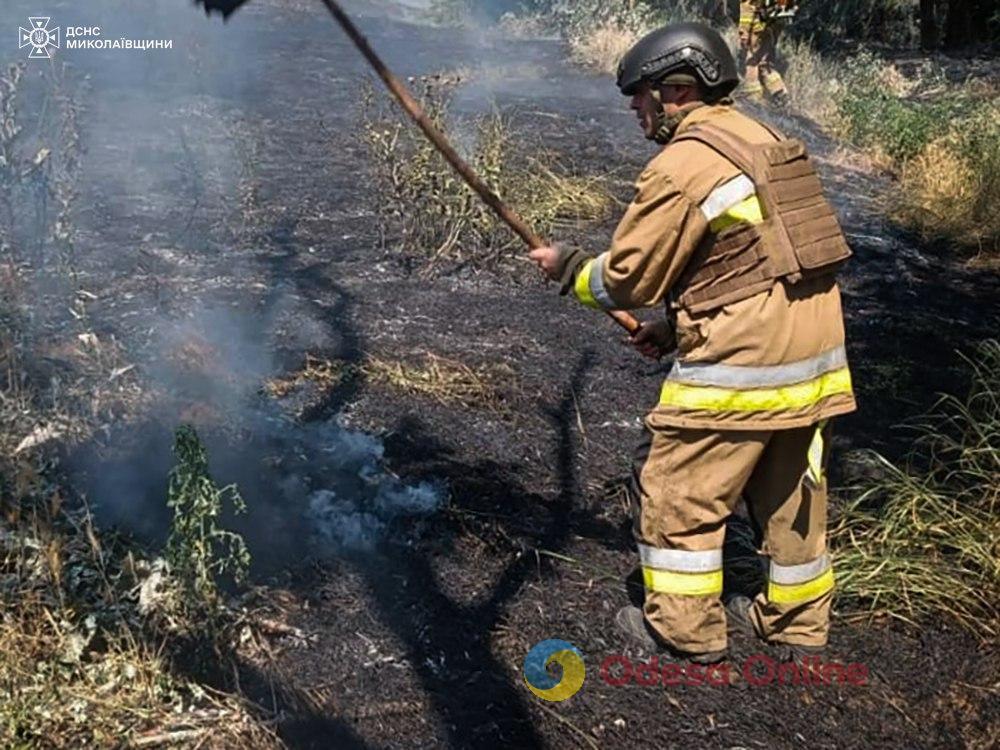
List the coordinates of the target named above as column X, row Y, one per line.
column 759, row 42
column 687, row 482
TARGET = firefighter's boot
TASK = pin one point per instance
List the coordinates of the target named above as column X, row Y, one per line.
column 632, row 622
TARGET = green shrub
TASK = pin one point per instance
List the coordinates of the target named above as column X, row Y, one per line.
column 951, row 189
column 942, row 139
column 875, row 116
column 888, row 21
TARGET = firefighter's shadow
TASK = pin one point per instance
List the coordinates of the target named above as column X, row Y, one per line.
column 447, row 641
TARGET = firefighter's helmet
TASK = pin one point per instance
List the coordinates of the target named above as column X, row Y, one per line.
column 681, row 48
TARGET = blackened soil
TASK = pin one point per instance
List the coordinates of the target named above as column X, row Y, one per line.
column 421, row 644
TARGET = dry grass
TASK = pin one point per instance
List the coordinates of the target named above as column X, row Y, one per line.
column 951, row 189
column 327, row 374
column 599, row 34
column 817, row 83
column 80, row 665
column 557, row 199
column 601, row 48
column 813, row 84
column 923, row 540
column 443, row 379
column 941, row 139
column 428, row 211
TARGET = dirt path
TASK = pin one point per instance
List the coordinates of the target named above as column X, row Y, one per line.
column 243, row 190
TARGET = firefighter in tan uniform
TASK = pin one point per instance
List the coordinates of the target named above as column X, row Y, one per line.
column 761, row 24
column 730, row 231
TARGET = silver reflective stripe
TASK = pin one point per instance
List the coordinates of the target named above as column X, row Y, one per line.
column 597, row 282
column 792, row 574
column 736, row 376
column 680, row 560
column 727, row 195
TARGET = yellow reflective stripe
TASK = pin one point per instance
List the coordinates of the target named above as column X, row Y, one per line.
column 747, row 210
column 815, row 454
column 581, row 288
column 683, row 584
column 793, row 593
column 796, row 396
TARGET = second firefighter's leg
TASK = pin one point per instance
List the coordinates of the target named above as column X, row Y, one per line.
column 770, row 79
column 687, row 482
column 788, row 496
column 749, row 30
column 752, row 85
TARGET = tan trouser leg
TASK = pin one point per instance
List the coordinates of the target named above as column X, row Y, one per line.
column 752, row 85
column 687, row 483
column 750, row 44
column 761, row 75
column 787, row 495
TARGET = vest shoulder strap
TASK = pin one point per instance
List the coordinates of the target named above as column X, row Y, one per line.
column 731, row 146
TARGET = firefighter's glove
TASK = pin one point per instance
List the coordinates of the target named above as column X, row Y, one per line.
column 656, row 339
column 559, row 263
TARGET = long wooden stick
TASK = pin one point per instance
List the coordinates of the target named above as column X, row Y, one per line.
column 441, row 143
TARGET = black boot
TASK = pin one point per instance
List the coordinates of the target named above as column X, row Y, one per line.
column 632, row 622
column 780, row 100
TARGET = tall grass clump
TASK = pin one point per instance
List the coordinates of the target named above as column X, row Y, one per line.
column 813, row 81
column 923, row 539
column 428, row 212
column 942, row 140
column 951, row 189
column 600, row 33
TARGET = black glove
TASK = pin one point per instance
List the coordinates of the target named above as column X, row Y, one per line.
column 570, row 259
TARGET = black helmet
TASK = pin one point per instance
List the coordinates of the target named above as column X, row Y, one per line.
column 677, row 48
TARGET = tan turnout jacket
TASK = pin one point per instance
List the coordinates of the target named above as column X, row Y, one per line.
column 771, row 361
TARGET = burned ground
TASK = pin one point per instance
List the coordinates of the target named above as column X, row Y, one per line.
column 240, row 195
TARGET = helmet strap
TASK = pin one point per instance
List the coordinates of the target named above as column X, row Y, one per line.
column 666, row 125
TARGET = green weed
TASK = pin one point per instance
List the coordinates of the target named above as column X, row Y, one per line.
column 198, row 550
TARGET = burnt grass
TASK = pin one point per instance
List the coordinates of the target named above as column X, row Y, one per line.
column 420, row 643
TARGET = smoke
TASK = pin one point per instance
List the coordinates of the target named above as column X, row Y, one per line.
column 354, row 517
column 209, row 173
column 312, row 490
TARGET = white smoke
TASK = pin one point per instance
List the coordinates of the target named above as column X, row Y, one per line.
column 356, row 521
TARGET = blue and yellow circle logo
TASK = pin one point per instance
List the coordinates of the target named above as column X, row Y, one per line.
column 543, row 684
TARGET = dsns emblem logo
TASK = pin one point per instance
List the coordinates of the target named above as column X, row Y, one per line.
column 39, row 37
column 541, row 682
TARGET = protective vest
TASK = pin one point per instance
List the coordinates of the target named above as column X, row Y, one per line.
column 771, row 222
